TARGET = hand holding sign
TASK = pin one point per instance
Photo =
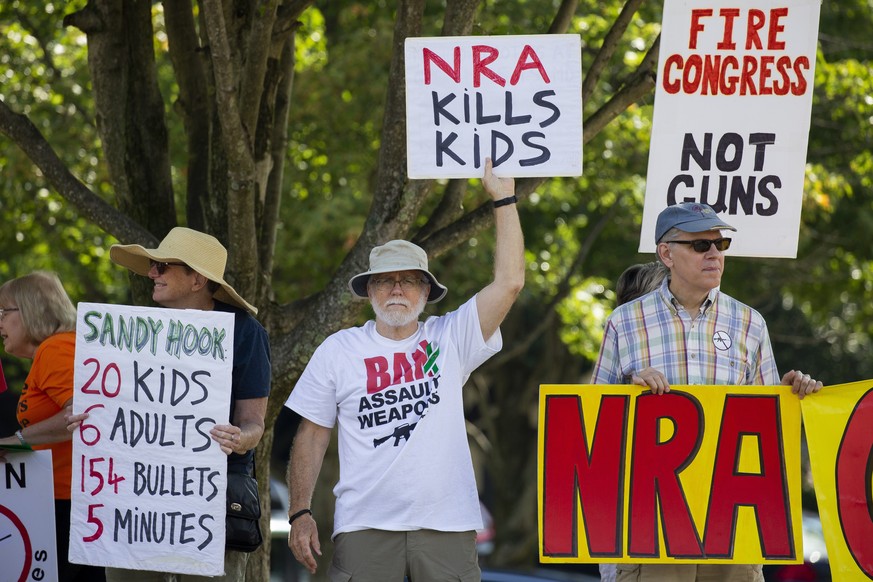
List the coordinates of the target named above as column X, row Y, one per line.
column 152, row 390
column 498, row 188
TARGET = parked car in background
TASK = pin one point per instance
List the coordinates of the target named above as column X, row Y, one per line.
column 815, row 566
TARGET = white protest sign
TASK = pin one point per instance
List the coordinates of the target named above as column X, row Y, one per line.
column 148, row 480
column 27, row 518
column 732, row 115
column 514, row 99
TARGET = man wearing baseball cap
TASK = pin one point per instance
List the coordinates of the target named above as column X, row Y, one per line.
column 688, row 332
column 406, row 500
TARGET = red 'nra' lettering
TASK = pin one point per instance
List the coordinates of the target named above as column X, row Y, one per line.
column 482, row 56
column 655, row 467
column 853, row 479
column 480, row 64
column 432, row 57
column 667, row 435
column 755, row 417
column 597, row 475
column 522, row 65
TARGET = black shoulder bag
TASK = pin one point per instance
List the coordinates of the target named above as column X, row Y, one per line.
column 242, row 531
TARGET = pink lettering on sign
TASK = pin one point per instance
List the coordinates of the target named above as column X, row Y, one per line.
column 482, row 64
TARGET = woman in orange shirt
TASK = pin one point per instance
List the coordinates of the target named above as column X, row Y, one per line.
column 37, row 322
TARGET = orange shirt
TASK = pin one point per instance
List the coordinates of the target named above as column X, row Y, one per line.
column 48, row 386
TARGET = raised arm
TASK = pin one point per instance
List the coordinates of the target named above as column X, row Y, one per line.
column 494, row 301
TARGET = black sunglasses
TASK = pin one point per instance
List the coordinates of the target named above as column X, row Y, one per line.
column 701, row 245
column 162, row 267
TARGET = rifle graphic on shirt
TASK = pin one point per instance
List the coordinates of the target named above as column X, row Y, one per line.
column 401, row 432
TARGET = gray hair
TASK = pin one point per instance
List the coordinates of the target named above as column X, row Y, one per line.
column 637, row 280
column 45, row 307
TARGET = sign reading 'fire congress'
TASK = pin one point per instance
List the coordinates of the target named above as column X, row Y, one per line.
column 732, row 114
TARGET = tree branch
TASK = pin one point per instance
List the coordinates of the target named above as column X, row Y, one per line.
column 129, row 108
column 278, row 144
column 607, row 49
column 562, row 291
column 49, row 61
column 563, row 17
column 187, row 58
column 385, row 219
column 91, row 207
column 255, row 67
column 451, row 207
column 640, row 84
column 242, row 236
column 459, row 16
column 458, row 21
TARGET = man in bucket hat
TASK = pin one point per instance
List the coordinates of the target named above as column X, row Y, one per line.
column 688, row 332
column 187, row 270
column 406, row 500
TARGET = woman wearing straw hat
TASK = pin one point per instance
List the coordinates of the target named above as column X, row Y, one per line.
column 187, row 270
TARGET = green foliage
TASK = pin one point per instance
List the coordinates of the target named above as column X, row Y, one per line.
column 583, row 315
column 580, row 233
column 45, row 78
column 334, row 141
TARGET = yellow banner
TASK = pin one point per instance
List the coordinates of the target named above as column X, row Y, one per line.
column 839, row 431
column 701, row 474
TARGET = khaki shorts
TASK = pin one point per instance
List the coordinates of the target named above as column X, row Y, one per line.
column 688, row 573
column 422, row 555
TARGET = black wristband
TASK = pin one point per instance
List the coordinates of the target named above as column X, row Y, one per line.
column 298, row 514
column 505, row 201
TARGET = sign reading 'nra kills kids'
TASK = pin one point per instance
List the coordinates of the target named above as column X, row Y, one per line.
column 514, row 99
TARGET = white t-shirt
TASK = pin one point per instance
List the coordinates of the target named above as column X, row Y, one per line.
column 404, row 459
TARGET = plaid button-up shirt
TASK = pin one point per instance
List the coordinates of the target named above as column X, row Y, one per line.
column 726, row 342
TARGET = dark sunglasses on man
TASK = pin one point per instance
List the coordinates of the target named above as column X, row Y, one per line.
column 162, row 267
column 701, row 245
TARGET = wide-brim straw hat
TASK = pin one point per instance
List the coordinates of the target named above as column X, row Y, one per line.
column 198, row 250
column 397, row 255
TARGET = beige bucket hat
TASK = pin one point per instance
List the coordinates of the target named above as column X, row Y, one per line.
column 198, row 250
column 397, row 255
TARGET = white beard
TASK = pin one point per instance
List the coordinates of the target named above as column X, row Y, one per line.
column 397, row 318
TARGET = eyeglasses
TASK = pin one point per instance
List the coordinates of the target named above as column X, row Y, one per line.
column 5, row 310
column 701, row 245
column 387, row 283
column 162, row 267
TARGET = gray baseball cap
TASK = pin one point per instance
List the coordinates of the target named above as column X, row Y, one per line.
column 690, row 217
